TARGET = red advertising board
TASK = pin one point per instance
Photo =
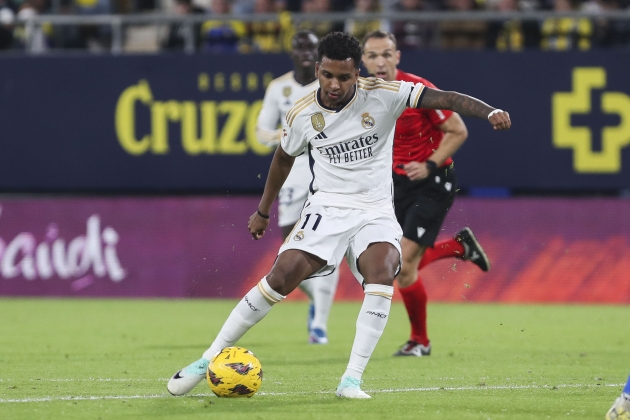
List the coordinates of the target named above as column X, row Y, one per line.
column 542, row 250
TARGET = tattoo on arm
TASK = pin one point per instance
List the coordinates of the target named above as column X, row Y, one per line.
column 462, row 104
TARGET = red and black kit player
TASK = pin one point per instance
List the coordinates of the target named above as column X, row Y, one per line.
column 425, row 184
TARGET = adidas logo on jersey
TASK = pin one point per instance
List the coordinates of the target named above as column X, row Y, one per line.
column 321, row 136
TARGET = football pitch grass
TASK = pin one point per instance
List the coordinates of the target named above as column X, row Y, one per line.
column 111, row 359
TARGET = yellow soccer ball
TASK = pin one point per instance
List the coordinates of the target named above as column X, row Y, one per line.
column 234, row 372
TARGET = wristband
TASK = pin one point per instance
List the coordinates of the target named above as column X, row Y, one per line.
column 494, row 112
column 431, row 166
column 264, row 216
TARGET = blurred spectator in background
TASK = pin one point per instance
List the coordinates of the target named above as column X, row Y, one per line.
column 92, row 7
column 341, row 5
column 290, row 5
column 359, row 28
column 38, row 40
column 224, row 36
column 138, row 6
column 241, row 7
column 16, row 5
column 512, row 34
column 7, row 18
column 455, row 35
column 265, row 36
column 413, row 34
column 566, row 33
column 178, row 32
column 318, row 27
column 96, row 37
column 613, row 33
column 68, row 36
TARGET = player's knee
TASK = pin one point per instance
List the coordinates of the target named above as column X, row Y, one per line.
column 277, row 282
column 409, row 265
column 285, row 277
column 379, row 263
column 407, row 276
column 282, row 279
column 381, row 275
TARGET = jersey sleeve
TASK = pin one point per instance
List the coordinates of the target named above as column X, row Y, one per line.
column 267, row 130
column 406, row 95
column 415, row 96
column 293, row 140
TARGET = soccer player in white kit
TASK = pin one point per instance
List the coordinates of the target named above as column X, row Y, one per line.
column 280, row 96
column 347, row 128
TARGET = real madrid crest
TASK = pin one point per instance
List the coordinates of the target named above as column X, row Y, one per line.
column 286, row 91
column 367, row 122
column 318, row 121
column 299, row 236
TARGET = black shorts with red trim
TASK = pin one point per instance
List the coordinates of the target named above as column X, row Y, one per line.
column 421, row 206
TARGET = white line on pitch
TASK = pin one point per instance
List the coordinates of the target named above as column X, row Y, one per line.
column 90, row 380
column 375, row 391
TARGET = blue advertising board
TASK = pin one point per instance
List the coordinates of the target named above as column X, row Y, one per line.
column 570, row 112
column 185, row 123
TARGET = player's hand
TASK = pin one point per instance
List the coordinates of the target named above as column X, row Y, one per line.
column 416, row 170
column 257, row 225
column 500, row 120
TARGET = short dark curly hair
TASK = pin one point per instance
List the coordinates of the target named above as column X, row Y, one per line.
column 340, row 46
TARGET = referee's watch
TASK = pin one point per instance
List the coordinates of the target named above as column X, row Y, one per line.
column 431, row 166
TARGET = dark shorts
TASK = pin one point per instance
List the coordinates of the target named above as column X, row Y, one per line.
column 421, row 206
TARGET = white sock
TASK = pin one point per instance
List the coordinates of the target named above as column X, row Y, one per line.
column 370, row 325
column 308, row 287
column 323, row 297
column 251, row 309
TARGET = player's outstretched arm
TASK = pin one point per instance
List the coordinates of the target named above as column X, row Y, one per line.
column 270, row 138
column 278, row 172
column 465, row 105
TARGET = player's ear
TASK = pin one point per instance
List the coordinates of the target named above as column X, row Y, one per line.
column 397, row 57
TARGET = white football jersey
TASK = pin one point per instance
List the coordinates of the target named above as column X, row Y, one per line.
column 350, row 150
column 280, row 96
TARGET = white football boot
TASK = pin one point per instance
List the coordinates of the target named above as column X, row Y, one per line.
column 350, row 387
column 187, row 378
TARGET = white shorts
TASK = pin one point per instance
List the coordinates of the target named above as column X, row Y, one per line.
column 331, row 233
column 290, row 203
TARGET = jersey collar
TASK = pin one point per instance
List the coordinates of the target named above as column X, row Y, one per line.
column 325, row 108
